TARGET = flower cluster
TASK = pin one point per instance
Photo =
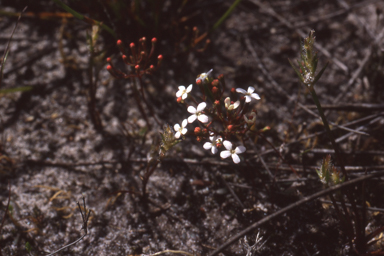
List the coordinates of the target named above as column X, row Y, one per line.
column 138, row 60
column 219, row 119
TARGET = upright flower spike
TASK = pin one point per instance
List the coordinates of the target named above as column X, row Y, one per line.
column 203, row 76
column 180, row 130
column 182, row 92
column 213, row 144
column 248, row 94
column 232, row 152
column 197, row 113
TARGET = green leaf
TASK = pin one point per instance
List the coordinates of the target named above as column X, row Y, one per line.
column 320, row 73
column 226, row 14
column 28, row 247
column 297, row 71
column 17, row 89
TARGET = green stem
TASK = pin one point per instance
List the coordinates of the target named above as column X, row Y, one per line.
column 84, row 18
column 225, row 15
column 359, row 237
column 328, row 129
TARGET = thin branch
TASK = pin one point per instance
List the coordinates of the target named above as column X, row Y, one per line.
column 292, row 206
column 85, row 218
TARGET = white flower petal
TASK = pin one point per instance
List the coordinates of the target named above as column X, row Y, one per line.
column 255, row 96
column 201, row 106
column 207, row 145
column 189, row 89
column 191, row 110
column 227, row 144
column 241, row 90
column 177, row 135
column 184, row 123
column 240, row 149
column 251, row 89
column 227, row 102
column 192, row 118
column 179, row 93
column 185, row 95
column 225, row 154
column 184, row 131
column 203, row 119
column 214, row 150
column 236, row 104
column 235, row 158
column 176, row 127
column 247, row 98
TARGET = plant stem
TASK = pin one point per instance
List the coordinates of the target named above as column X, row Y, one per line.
column 84, row 18
column 328, row 129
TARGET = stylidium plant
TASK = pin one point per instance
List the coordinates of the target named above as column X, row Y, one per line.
column 217, row 120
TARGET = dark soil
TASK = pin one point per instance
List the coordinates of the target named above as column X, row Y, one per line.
column 53, row 154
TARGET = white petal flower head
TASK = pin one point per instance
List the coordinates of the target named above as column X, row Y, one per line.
column 232, row 152
column 182, row 92
column 197, row 113
column 248, row 94
column 250, row 118
column 180, row 130
column 203, row 76
column 213, row 144
column 229, row 106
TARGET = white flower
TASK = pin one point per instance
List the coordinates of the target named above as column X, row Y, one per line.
column 213, row 144
column 180, row 129
column 182, row 92
column 196, row 113
column 229, row 106
column 249, row 94
column 250, row 118
column 232, row 152
column 203, row 76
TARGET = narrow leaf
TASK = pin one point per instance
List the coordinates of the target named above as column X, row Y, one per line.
column 320, row 73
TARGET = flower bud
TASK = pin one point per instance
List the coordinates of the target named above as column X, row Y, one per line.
column 215, row 83
column 179, row 100
column 199, row 82
column 216, row 102
column 198, row 138
column 154, row 40
column 197, row 130
column 214, row 90
column 109, row 60
column 119, row 43
column 233, row 90
column 137, row 67
column 205, row 131
column 109, row 68
column 230, row 127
